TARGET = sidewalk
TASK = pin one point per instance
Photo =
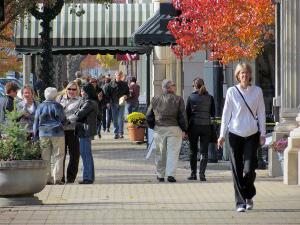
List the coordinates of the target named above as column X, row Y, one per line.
column 126, row 192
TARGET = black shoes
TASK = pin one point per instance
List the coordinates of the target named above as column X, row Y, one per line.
column 171, row 179
column 121, row 136
column 85, row 182
column 202, row 177
column 116, row 136
column 192, row 177
column 160, row 179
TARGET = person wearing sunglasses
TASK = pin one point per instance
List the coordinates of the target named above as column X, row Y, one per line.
column 70, row 102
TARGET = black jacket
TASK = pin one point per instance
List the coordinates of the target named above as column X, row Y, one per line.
column 200, row 109
column 115, row 90
column 86, row 116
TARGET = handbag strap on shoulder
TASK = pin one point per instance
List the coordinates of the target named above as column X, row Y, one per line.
column 245, row 102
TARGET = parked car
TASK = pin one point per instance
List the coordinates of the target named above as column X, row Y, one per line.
column 3, row 81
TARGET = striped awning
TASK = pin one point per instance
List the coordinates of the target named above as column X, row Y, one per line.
column 154, row 31
column 98, row 30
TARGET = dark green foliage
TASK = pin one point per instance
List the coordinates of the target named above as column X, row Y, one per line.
column 14, row 145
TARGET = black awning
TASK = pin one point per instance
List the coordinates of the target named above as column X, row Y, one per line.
column 154, row 31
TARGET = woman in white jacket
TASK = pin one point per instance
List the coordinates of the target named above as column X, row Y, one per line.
column 244, row 117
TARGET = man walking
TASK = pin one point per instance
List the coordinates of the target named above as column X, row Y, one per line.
column 115, row 90
column 170, row 126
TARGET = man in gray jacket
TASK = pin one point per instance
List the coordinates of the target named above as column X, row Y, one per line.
column 170, row 126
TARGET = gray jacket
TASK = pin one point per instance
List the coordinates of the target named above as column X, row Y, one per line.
column 70, row 106
column 168, row 110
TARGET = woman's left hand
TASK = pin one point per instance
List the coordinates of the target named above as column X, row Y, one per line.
column 262, row 140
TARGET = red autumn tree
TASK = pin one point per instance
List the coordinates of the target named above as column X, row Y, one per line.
column 229, row 29
column 8, row 61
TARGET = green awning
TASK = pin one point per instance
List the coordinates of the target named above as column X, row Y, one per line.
column 99, row 30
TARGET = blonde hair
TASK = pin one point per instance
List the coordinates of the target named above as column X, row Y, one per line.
column 198, row 83
column 74, row 83
column 239, row 68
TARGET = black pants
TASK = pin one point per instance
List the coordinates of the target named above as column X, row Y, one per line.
column 243, row 159
column 72, row 145
column 204, row 132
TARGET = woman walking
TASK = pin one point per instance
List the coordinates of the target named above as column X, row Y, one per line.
column 244, row 117
column 86, row 129
column 200, row 108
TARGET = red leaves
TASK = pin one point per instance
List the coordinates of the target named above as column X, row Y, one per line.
column 229, row 29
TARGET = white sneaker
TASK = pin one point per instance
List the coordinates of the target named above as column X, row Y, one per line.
column 241, row 208
column 249, row 204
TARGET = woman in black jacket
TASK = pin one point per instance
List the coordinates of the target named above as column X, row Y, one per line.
column 200, row 108
column 86, row 129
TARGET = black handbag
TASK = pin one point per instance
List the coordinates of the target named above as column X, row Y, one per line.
column 249, row 108
column 150, row 118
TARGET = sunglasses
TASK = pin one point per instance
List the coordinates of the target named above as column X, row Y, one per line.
column 72, row 89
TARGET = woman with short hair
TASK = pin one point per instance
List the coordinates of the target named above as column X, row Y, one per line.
column 27, row 108
column 86, row 129
column 48, row 126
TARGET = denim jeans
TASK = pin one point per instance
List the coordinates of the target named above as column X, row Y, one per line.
column 132, row 107
column 87, row 158
column 118, row 118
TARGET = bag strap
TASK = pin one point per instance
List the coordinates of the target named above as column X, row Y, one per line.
column 245, row 102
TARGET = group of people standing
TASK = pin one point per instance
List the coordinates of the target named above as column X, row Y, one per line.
column 243, row 118
column 66, row 122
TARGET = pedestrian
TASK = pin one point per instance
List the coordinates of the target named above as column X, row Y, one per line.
column 7, row 102
column 244, row 118
column 134, row 93
column 39, row 88
column 101, row 102
column 117, row 93
column 200, row 108
column 27, row 108
column 107, row 114
column 86, row 129
column 167, row 111
column 48, row 127
column 70, row 103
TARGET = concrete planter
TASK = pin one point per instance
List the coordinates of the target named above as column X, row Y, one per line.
column 22, row 177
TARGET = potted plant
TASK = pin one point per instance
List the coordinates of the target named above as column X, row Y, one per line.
column 22, row 171
column 279, row 147
column 136, row 126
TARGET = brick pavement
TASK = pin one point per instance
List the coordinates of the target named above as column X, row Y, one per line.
column 126, row 192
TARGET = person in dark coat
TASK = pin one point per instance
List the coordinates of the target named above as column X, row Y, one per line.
column 86, row 129
column 200, row 108
column 117, row 92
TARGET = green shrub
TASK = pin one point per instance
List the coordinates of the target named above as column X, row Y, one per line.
column 14, row 144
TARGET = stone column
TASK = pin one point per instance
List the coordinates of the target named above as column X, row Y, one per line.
column 26, row 69
column 290, row 83
column 159, row 69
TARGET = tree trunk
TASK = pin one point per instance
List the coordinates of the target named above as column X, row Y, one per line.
column 47, row 72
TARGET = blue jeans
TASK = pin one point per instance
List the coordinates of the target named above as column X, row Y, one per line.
column 118, row 118
column 132, row 107
column 87, row 158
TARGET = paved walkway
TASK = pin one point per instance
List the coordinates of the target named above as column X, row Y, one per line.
column 126, row 192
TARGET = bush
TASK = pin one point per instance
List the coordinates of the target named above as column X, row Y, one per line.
column 14, row 144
